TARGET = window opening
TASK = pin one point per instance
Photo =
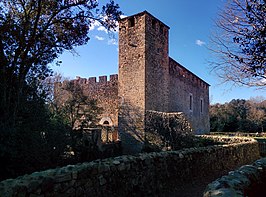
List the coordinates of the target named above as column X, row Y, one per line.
column 190, row 102
column 131, row 22
column 106, row 122
column 153, row 24
column 161, row 28
column 201, row 105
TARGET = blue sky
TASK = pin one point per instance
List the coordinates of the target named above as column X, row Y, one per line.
column 191, row 23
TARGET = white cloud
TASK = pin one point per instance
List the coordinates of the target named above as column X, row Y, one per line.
column 200, row 42
column 263, row 81
column 94, row 24
column 102, row 28
column 97, row 25
column 112, row 42
column 99, row 38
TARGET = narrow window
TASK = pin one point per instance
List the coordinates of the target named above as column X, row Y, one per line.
column 131, row 22
column 190, row 102
column 153, row 24
column 201, row 105
column 161, row 28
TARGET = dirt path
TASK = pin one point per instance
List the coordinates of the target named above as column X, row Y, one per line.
column 195, row 188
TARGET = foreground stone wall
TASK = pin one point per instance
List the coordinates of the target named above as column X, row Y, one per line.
column 141, row 175
column 248, row 180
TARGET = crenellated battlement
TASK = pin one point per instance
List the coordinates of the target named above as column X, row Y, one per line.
column 176, row 69
column 93, row 86
column 148, row 80
column 93, row 80
column 104, row 89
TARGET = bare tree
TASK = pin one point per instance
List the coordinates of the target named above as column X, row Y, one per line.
column 257, row 111
column 239, row 43
column 77, row 109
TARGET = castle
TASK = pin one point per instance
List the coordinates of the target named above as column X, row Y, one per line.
column 148, row 79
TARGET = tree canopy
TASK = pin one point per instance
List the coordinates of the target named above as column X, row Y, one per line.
column 239, row 44
column 239, row 115
column 78, row 110
column 33, row 34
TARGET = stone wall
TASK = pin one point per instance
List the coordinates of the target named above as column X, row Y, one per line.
column 248, row 180
column 156, row 64
column 150, row 80
column 189, row 94
column 104, row 91
column 163, row 131
column 131, row 89
column 141, row 175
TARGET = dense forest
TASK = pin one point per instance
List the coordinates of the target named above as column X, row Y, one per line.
column 239, row 115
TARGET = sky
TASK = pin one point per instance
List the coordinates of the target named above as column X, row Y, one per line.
column 191, row 23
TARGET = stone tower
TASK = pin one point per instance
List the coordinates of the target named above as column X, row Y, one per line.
column 143, row 75
column 149, row 81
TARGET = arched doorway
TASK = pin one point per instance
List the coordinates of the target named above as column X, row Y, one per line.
column 109, row 132
column 106, row 121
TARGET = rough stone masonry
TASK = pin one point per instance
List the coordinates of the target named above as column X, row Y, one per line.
column 152, row 174
column 148, row 80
